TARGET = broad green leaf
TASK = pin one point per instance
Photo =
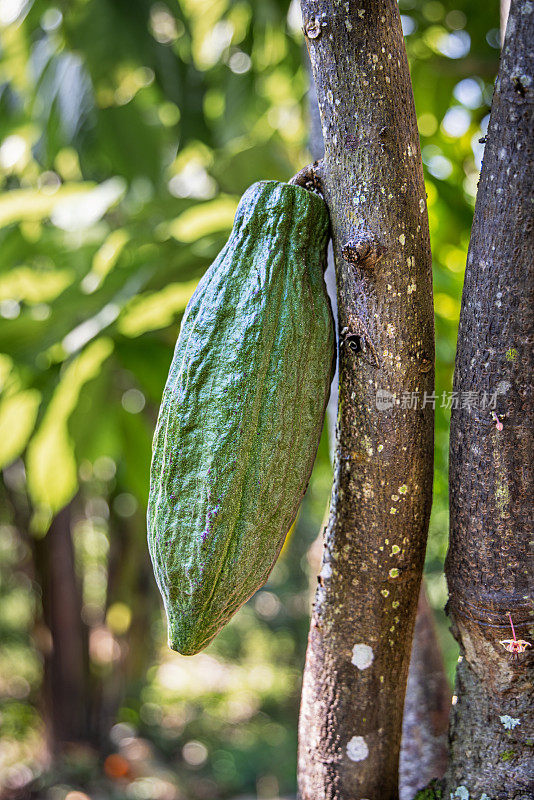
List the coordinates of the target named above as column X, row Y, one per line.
column 106, row 257
column 137, row 442
column 51, row 465
column 235, row 171
column 34, row 204
column 6, row 366
column 148, row 359
column 34, row 286
column 202, row 219
column 86, row 208
column 130, row 155
column 94, row 428
column 152, row 311
column 17, row 418
column 447, row 307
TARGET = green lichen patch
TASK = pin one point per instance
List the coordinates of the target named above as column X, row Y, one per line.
column 508, row 755
column 430, row 792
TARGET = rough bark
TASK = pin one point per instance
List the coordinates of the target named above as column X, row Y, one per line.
column 489, row 560
column 424, row 747
column 362, row 625
column 423, row 754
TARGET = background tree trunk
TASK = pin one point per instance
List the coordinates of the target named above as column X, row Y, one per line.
column 130, row 581
column 491, row 451
column 424, row 743
column 66, row 691
column 360, row 637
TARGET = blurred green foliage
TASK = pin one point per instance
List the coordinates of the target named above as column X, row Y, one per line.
column 128, row 131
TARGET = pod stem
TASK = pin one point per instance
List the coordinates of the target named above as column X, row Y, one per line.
column 309, row 177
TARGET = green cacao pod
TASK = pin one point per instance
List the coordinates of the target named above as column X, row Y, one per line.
column 242, row 412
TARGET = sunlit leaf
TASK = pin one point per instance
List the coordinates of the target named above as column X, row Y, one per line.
column 106, row 257
column 17, row 418
column 205, row 218
column 270, row 48
column 86, row 331
column 6, row 366
column 32, row 285
column 211, row 35
column 86, row 208
column 51, row 465
column 447, row 307
column 34, row 204
column 157, row 310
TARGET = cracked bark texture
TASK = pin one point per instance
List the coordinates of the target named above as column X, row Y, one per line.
column 364, row 611
column 489, row 563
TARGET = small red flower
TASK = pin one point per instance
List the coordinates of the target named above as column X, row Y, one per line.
column 514, row 646
column 499, row 426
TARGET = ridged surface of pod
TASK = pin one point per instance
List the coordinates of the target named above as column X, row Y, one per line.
column 242, row 412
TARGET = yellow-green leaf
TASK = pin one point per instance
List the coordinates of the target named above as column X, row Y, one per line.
column 32, row 285
column 157, row 310
column 203, row 219
column 106, row 257
column 51, row 464
column 17, row 418
column 447, row 306
column 33, row 204
column 6, row 368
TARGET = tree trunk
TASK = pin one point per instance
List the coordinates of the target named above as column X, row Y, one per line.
column 491, row 451
column 130, row 581
column 65, row 684
column 362, row 625
column 424, row 745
